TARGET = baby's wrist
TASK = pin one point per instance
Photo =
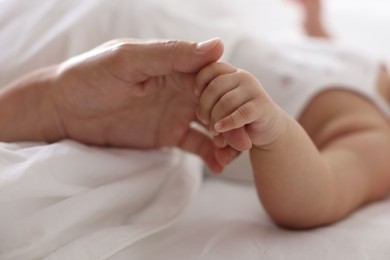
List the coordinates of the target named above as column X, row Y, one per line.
column 275, row 132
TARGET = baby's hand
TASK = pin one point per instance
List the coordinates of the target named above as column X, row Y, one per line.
column 236, row 108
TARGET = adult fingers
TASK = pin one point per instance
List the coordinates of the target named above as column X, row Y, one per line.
column 238, row 139
column 226, row 155
column 158, row 58
column 199, row 143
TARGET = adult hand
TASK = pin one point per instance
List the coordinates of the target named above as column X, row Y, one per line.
column 135, row 94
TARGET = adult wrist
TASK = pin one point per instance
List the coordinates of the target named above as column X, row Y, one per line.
column 28, row 111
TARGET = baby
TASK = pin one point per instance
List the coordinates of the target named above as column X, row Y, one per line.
column 308, row 172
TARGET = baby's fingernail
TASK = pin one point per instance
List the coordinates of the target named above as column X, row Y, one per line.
column 207, row 45
column 218, row 126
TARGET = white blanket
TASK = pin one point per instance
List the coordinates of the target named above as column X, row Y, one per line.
column 70, row 201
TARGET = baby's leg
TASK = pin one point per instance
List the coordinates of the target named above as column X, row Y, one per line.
column 384, row 83
column 313, row 21
column 354, row 141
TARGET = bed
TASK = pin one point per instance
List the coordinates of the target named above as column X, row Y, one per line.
column 71, row 201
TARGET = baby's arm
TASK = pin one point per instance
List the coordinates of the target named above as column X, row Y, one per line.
column 287, row 166
column 301, row 183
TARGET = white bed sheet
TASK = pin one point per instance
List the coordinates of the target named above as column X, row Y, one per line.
column 224, row 220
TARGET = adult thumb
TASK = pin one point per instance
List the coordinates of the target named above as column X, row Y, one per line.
column 160, row 58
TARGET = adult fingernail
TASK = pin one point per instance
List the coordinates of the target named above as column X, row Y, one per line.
column 207, row 45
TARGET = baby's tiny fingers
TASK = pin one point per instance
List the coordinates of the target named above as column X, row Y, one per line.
column 217, row 88
column 210, row 72
column 243, row 115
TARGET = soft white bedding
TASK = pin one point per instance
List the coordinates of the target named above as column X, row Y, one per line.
column 70, row 201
